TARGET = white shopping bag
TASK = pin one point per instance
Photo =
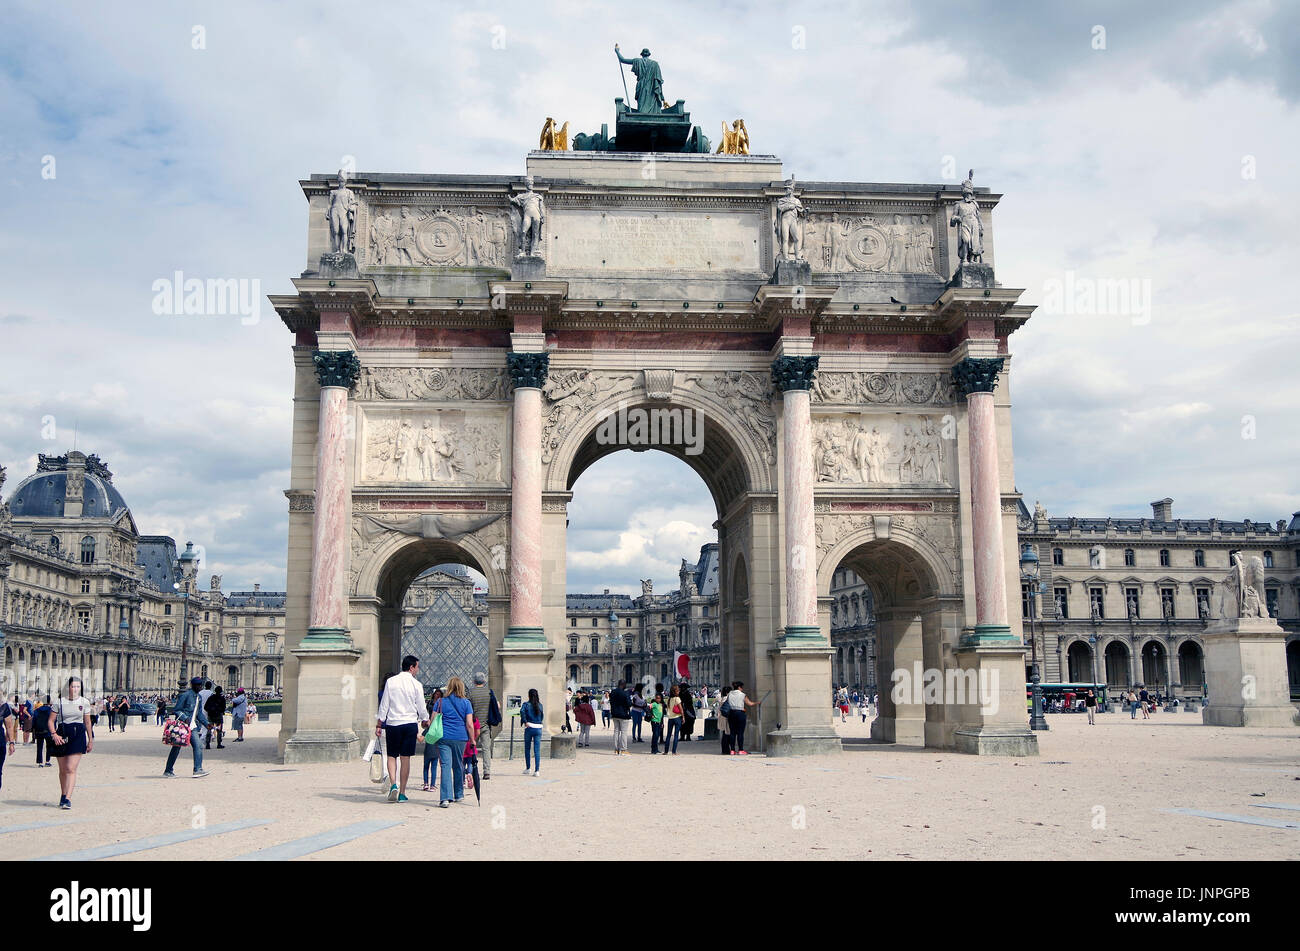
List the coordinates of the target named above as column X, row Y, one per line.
column 370, row 750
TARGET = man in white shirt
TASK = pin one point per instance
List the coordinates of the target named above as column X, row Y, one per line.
column 402, row 715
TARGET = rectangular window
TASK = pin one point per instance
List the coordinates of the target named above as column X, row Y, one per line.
column 1097, row 603
column 1270, row 599
column 85, row 586
column 1203, row 603
column 1164, row 558
column 573, row 622
column 1131, row 603
column 205, row 643
column 663, row 645
column 1062, row 598
column 595, row 645
column 627, row 622
column 83, row 620
column 478, row 621
column 1058, row 556
column 167, row 609
column 1025, row 601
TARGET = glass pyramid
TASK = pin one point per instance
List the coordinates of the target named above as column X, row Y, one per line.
column 448, row 644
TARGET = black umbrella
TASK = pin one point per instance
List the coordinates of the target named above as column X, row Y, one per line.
column 471, row 764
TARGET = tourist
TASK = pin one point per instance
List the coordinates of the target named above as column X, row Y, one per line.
column 401, row 716
column 863, row 709
column 161, row 713
column 8, row 735
column 604, row 710
column 530, row 716
column 189, row 710
column 1131, row 699
column 457, row 731
column 215, row 708
column 656, row 722
column 238, row 713
column 1090, row 703
column 688, row 712
column 673, row 720
column 41, row 731
column 638, row 713
column 123, row 711
column 620, row 711
column 568, row 705
column 586, row 717
column 204, row 694
column 71, row 736
column 724, row 725
column 430, row 772
column 488, row 714
column 844, row 704
column 106, row 706
column 737, row 718
column 1144, row 698
column 24, row 708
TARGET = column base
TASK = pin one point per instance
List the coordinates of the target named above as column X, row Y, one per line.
column 564, row 745
column 526, row 638
column 322, row 746
column 801, row 635
column 808, row 742
column 997, row 635
column 993, row 742
column 326, row 638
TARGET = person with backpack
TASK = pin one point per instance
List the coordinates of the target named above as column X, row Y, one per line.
column 638, row 713
column 430, row 773
column 486, row 711
column 586, row 717
column 530, row 717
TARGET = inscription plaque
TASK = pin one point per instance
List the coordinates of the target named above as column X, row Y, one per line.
column 650, row 241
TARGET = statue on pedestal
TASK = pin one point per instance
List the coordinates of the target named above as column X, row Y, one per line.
column 527, row 215
column 789, row 225
column 970, row 229
column 342, row 217
column 1243, row 589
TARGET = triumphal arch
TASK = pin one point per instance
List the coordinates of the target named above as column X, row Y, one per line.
column 463, row 342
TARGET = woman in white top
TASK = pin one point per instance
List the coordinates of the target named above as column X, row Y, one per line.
column 70, row 733
column 737, row 718
column 605, row 709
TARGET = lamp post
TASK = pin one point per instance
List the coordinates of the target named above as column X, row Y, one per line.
column 615, row 642
column 1029, row 575
column 185, row 623
column 1092, row 655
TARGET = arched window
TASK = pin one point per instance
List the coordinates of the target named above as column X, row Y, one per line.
column 54, row 543
column 574, row 672
column 88, row 550
column 595, row 673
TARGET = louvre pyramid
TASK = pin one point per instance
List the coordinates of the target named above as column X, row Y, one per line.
column 448, row 644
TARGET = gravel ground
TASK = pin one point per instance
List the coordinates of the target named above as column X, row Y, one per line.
column 1093, row 793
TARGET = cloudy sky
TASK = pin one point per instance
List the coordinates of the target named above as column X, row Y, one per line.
column 1152, row 144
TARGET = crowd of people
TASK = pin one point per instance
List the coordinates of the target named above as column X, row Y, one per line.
column 62, row 728
column 672, row 712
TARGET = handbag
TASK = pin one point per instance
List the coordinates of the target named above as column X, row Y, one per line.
column 377, row 765
column 434, row 733
column 58, row 749
column 176, row 733
column 725, row 709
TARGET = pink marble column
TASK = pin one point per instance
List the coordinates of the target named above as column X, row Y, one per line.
column 328, row 622
column 793, row 376
column 978, row 378
column 528, row 371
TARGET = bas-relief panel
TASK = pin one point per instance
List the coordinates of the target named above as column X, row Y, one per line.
column 434, row 446
column 432, row 383
column 653, row 241
column 846, row 243
column 878, row 449
column 406, row 236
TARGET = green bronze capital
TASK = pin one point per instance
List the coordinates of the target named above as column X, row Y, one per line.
column 336, row 368
column 794, row 373
column 975, row 375
column 528, row 369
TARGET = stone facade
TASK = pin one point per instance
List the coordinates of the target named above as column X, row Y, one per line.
column 853, row 631
column 1145, row 589
column 81, row 591
column 651, row 629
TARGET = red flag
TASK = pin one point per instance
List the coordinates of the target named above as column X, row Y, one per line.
column 682, row 665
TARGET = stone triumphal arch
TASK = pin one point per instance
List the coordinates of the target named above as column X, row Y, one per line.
column 462, row 341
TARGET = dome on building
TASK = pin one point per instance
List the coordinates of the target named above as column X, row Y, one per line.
column 42, row 495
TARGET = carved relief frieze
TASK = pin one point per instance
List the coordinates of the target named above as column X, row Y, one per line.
column 432, row 383
column 569, row 394
column 880, row 450
column 900, row 243
column 438, row 237
column 889, row 388
column 748, row 399
column 434, row 446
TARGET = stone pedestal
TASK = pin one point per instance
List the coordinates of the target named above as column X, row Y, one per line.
column 564, row 746
column 792, row 274
column 992, row 715
column 1245, row 670
column 528, row 267
column 324, row 733
column 524, row 669
column 338, row 264
column 973, row 275
column 801, row 712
